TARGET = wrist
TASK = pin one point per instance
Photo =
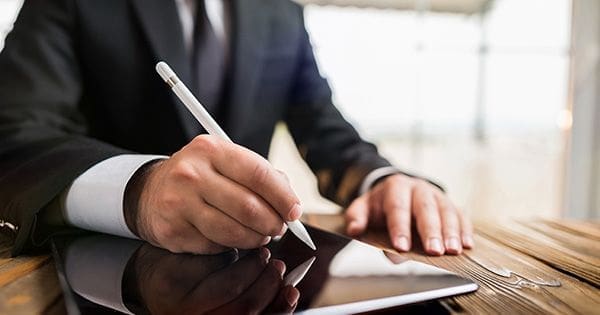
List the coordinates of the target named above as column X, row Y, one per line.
column 133, row 195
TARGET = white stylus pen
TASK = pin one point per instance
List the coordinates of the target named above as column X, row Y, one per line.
column 200, row 113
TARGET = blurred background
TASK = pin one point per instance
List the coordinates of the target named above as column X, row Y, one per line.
column 498, row 100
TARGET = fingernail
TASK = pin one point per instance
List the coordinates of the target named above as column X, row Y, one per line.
column 285, row 228
column 295, row 212
column 266, row 241
column 265, row 254
column 435, row 246
column 453, row 244
column 402, row 243
column 292, row 296
column 282, row 231
column 279, row 266
column 354, row 228
column 468, row 241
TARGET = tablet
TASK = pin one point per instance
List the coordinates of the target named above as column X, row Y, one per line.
column 106, row 274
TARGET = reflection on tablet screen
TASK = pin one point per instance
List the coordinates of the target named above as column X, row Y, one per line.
column 342, row 276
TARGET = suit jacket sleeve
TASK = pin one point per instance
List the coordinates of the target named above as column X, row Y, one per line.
column 329, row 144
column 43, row 146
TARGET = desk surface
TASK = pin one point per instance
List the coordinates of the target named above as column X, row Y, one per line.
column 535, row 266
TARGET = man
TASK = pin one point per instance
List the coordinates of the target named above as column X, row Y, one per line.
column 90, row 134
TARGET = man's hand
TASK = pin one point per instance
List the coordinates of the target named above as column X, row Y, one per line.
column 396, row 200
column 211, row 195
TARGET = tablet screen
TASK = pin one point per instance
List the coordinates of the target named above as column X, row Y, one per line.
column 341, row 276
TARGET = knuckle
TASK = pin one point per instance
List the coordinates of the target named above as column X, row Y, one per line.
column 396, row 205
column 261, row 173
column 251, row 208
column 426, row 203
column 171, row 201
column 184, row 171
column 206, row 143
column 165, row 233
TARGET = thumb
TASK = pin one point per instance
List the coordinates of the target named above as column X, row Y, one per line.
column 357, row 215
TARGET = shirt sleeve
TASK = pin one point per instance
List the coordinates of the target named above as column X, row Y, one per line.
column 94, row 201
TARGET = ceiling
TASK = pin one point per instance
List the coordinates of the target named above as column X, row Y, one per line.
column 449, row 6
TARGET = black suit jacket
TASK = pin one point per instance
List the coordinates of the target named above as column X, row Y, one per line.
column 77, row 85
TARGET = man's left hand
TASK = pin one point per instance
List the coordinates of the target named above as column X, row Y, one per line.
column 396, row 200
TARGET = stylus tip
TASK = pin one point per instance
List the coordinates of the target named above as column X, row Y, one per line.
column 300, row 231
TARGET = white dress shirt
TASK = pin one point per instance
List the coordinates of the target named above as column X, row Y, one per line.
column 94, row 201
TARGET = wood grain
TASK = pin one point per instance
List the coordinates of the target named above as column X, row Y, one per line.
column 573, row 254
column 36, row 293
column 526, row 267
column 511, row 282
column 28, row 285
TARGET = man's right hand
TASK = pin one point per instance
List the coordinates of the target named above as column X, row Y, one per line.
column 209, row 196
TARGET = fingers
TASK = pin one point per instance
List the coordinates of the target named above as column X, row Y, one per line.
column 193, row 241
column 227, row 284
column 243, row 205
column 428, row 219
column 466, row 230
column 397, row 205
column 450, row 225
column 255, row 173
column 179, row 236
column 222, row 229
column 442, row 227
column 357, row 215
column 260, row 294
column 285, row 302
column 376, row 208
column 230, row 195
column 200, row 266
column 177, row 274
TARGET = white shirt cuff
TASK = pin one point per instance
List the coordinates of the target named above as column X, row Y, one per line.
column 374, row 175
column 94, row 201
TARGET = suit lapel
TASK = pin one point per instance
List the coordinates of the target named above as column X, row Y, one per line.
column 161, row 25
column 250, row 26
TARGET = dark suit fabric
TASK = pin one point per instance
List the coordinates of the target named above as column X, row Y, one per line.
column 77, row 85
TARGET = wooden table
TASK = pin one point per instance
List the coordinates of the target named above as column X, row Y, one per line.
column 522, row 267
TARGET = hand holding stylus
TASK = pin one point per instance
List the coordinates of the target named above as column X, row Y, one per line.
column 213, row 128
column 211, row 195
